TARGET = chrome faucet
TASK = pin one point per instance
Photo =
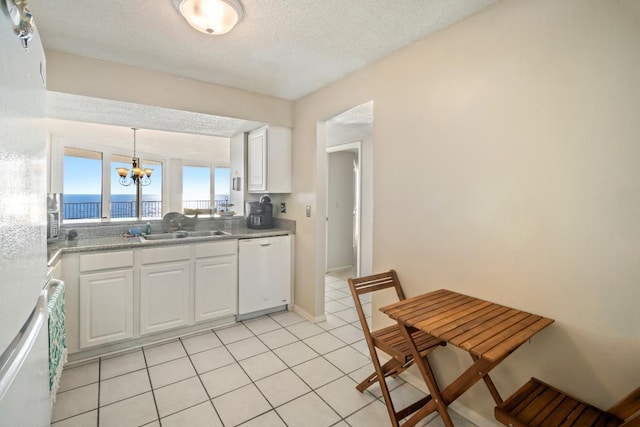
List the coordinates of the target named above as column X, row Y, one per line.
column 180, row 223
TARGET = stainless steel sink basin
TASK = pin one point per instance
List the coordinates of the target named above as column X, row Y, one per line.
column 165, row 236
column 184, row 234
column 208, row 233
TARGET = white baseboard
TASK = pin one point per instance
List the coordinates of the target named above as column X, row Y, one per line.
column 309, row 316
column 344, row 267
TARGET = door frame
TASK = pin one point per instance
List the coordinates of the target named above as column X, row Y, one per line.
column 357, row 147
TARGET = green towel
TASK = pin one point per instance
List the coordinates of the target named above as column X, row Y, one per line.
column 57, row 338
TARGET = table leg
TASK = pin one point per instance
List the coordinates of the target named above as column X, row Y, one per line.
column 432, row 385
column 472, row 375
column 490, row 385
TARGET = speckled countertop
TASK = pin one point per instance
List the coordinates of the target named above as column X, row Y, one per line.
column 93, row 242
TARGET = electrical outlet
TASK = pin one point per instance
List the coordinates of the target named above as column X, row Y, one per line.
column 308, row 211
column 283, row 207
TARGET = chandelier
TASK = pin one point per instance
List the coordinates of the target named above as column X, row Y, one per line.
column 138, row 175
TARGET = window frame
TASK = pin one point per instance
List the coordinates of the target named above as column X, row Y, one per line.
column 230, row 182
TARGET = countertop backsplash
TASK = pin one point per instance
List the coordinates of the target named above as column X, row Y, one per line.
column 105, row 229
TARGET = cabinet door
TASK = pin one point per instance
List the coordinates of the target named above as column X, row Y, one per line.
column 106, row 307
column 216, row 287
column 164, row 296
column 257, row 160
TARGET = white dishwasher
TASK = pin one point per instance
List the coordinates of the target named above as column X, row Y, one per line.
column 264, row 274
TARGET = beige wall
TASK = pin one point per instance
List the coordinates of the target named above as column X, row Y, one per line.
column 507, row 166
column 79, row 75
column 309, row 182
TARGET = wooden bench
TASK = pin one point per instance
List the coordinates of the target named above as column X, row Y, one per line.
column 539, row 404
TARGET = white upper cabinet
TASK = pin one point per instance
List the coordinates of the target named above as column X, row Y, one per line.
column 269, row 160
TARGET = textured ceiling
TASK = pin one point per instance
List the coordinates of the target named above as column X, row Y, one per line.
column 186, row 146
column 165, row 132
column 93, row 110
column 283, row 48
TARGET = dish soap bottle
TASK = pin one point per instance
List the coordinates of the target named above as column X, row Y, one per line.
column 147, row 229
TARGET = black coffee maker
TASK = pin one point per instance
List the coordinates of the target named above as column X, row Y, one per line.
column 260, row 214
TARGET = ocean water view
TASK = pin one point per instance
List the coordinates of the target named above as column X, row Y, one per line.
column 88, row 206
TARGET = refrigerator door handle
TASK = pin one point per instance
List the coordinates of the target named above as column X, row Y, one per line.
column 14, row 356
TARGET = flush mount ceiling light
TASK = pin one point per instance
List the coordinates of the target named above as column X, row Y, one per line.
column 211, row 16
column 138, row 175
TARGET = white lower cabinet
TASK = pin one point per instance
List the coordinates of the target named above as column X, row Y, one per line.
column 105, row 286
column 216, row 280
column 124, row 295
column 164, row 296
column 106, row 307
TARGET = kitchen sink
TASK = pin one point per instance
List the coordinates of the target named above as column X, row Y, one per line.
column 165, row 236
column 184, row 234
column 208, row 233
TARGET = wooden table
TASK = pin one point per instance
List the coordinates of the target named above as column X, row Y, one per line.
column 488, row 331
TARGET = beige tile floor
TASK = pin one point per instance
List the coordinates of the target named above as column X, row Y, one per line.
column 276, row 370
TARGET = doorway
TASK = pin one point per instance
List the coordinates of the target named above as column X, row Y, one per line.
column 350, row 133
column 343, row 207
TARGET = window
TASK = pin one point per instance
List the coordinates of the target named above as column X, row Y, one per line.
column 196, row 187
column 82, row 183
column 92, row 189
column 83, row 187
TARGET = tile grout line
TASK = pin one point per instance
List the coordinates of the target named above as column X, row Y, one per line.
column 99, row 385
column 153, row 394
column 248, row 376
column 210, row 399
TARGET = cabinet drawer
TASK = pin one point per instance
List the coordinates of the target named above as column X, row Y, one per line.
column 166, row 254
column 106, row 260
column 227, row 247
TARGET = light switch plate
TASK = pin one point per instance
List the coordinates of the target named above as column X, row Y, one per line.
column 308, row 211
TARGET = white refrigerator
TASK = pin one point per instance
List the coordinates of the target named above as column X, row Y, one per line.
column 24, row 364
